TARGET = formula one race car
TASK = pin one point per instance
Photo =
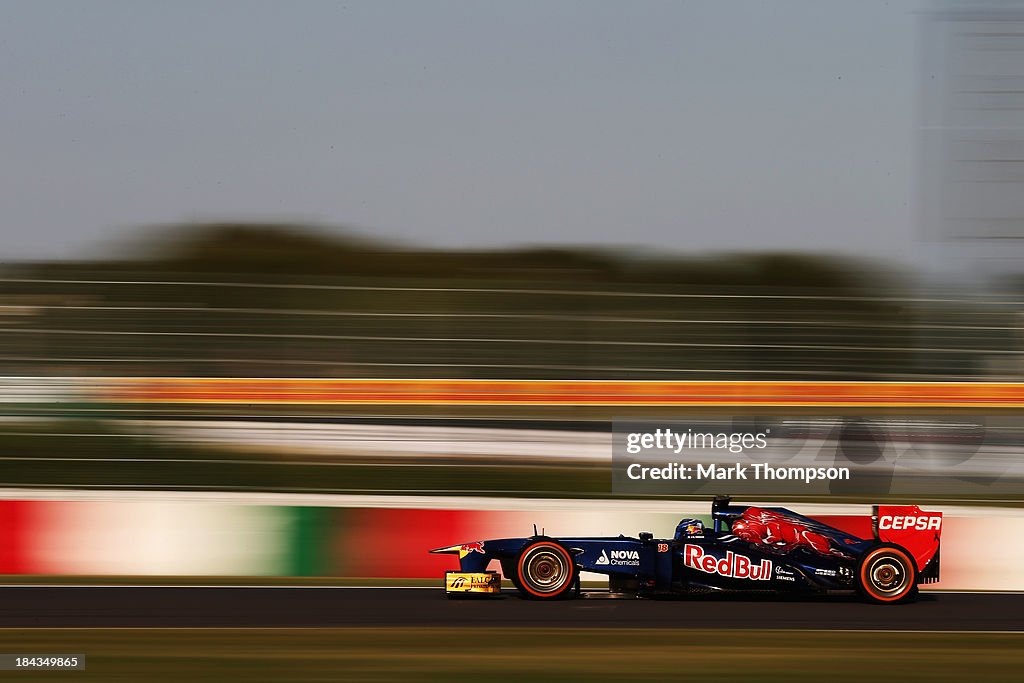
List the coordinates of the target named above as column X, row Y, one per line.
column 748, row 548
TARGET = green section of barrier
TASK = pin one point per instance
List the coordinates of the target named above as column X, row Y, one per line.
column 309, row 541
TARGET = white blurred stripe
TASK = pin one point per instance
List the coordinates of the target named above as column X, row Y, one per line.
column 385, row 440
column 160, row 537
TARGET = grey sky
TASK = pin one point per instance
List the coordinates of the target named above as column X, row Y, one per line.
column 686, row 125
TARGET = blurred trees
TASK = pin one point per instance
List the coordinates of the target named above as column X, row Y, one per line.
column 276, row 299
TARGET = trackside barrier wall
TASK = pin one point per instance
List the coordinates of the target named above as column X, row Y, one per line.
column 980, row 551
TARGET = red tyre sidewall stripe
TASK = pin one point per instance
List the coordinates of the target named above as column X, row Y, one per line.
column 519, row 568
column 867, row 584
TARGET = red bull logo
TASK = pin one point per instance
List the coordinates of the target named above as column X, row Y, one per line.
column 732, row 565
column 769, row 528
column 467, row 548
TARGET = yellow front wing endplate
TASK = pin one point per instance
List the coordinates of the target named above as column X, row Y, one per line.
column 472, row 582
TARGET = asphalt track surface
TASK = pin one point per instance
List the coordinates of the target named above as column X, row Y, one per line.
column 152, row 607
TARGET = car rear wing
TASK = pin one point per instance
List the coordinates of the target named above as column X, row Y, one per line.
column 917, row 531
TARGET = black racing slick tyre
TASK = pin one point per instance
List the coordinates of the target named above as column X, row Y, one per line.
column 887, row 575
column 545, row 571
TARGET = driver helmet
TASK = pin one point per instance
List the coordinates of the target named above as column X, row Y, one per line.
column 690, row 527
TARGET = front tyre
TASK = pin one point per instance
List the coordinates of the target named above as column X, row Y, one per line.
column 886, row 575
column 545, row 571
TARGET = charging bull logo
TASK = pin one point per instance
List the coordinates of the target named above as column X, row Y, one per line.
column 779, row 533
column 732, row 565
column 467, row 548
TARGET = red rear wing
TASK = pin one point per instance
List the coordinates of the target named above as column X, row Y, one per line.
column 911, row 528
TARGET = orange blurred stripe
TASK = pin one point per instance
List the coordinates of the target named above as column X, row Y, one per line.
column 562, row 392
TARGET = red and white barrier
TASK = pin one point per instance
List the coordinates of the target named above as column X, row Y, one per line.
column 204, row 534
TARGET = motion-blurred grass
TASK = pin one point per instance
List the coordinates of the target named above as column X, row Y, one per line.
column 503, row 654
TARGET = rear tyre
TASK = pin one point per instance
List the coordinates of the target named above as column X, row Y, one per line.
column 545, row 571
column 887, row 575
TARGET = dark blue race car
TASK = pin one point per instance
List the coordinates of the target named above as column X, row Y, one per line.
column 747, row 548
